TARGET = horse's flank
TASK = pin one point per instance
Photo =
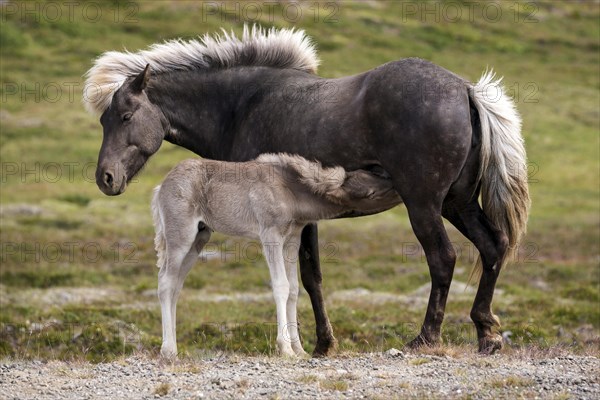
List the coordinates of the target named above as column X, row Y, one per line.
column 278, row 48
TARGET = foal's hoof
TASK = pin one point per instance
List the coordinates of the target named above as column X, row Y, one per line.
column 285, row 350
column 490, row 344
column 300, row 353
column 325, row 348
column 421, row 341
column 168, row 354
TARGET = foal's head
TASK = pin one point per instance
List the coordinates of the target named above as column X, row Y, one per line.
column 134, row 129
column 367, row 192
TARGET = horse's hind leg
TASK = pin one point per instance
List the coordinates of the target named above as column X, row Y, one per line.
column 310, row 272
column 492, row 245
column 427, row 224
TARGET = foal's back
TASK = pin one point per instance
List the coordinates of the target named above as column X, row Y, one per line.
column 232, row 198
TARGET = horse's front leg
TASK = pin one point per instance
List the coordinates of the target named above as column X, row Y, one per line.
column 273, row 249
column 310, row 271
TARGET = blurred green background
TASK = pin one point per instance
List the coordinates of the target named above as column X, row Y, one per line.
column 77, row 268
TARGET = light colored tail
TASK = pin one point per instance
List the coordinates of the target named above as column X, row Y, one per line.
column 503, row 169
column 159, row 240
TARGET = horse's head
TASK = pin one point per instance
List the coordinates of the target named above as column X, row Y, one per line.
column 134, row 129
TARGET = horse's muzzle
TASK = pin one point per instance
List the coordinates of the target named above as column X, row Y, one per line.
column 109, row 183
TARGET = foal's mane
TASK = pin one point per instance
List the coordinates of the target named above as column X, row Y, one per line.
column 278, row 48
column 320, row 180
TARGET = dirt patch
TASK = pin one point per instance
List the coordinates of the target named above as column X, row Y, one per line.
column 392, row 374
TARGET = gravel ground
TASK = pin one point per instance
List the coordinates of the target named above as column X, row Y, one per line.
column 392, row 374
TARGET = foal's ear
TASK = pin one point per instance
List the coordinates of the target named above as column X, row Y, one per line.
column 141, row 81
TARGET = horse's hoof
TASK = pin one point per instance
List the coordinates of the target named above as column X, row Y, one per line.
column 490, row 344
column 421, row 341
column 325, row 348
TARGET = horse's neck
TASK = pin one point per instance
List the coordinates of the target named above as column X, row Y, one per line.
column 188, row 101
column 202, row 106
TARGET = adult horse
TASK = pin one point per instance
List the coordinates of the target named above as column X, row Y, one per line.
column 442, row 141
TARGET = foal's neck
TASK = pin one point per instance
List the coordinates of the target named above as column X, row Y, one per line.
column 313, row 207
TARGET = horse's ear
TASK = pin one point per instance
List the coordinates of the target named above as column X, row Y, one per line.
column 141, row 81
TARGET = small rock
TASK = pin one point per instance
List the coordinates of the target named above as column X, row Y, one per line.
column 394, row 353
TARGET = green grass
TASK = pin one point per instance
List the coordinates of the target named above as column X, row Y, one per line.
column 61, row 237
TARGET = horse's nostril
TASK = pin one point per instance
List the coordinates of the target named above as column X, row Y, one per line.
column 108, row 178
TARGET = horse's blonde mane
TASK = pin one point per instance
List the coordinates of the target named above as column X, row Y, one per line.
column 279, row 48
column 321, row 180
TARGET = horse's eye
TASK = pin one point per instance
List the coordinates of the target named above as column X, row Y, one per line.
column 127, row 116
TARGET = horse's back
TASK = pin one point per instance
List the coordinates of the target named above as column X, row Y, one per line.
column 413, row 90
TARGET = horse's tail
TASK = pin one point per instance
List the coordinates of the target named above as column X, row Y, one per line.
column 159, row 239
column 503, row 168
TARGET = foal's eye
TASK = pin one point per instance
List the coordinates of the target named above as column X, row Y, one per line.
column 127, row 116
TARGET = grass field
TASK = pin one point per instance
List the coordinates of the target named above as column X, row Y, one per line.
column 78, row 275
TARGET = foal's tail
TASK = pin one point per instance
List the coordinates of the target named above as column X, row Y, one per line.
column 503, row 169
column 159, row 239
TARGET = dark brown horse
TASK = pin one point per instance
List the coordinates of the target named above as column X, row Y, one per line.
column 441, row 140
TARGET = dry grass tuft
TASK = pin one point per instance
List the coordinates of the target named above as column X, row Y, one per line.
column 404, row 385
column 308, row 378
column 162, row 389
column 453, row 351
column 512, row 381
column 419, row 361
column 536, row 352
column 243, row 383
column 562, row 396
column 349, row 376
column 334, row 384
column 182, row 367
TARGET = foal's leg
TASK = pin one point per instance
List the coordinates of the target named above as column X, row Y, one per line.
column 291, row 251
column 427, row 224
column 182, row 253
column 492, row 245
column 310, row 271
column 168, row 291
column 272, row 243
